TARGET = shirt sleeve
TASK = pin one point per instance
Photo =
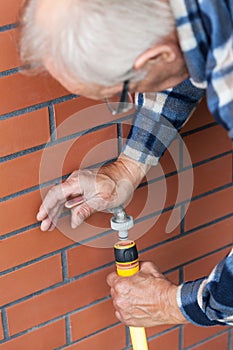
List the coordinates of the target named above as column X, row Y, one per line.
column 219, row 64
column 209, row 301
column 158, row 118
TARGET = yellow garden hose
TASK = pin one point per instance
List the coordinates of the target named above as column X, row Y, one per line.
column 127, row 264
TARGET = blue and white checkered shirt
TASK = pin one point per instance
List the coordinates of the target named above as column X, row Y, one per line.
column 209, row 301
column 205, row 30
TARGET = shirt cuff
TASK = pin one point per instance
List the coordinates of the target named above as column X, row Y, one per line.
column 187, row 300
column 140, row 156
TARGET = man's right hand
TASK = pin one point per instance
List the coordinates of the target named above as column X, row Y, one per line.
column 105, row 188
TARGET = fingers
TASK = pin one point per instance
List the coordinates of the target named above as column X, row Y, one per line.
column 46, row 225
column 56, row 195
column 79, row 214
column 74, row 202
column 53, row 205
column 87, row 207
column 120, row 286
column 49, row 223
column 112, row 278
column 119, row 292
column 118, row 315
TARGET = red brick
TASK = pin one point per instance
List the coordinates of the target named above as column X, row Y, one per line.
column 199, row 118
column 27, row 91
column 30, row 245
column 165, row 166
column 204, row 178
column 54, row 303
column 154, row 230
column 92, row 319
column 27, row 170
column 8, row 43
column 209, row 208
column 66, row 109
column 192, row 246
column 204, row 266
column 194, row 334
column 30, row 279
column 92, row 148
column 212, row 175
column 207, row 143
column 90, row 230
column 19, row 212
column 1, row 327
column 166, row 341
column 81, row 114
column 154, row 197
column 34, row 131
column 78, row 262
column 169, row 161
column 217, row 343
column 114, row 338
column 48, row 337
column 126, row 128
column 9, row 11
column 58, row 160
column 173, row 276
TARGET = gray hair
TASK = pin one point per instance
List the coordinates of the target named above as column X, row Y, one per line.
column 95, row 40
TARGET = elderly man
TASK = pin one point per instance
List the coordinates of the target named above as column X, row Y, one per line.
column 176, row 50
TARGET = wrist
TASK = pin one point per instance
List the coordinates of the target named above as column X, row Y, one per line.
column 175, row 311
column 134, row 170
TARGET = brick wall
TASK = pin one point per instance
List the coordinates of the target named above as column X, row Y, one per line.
column 52, row 289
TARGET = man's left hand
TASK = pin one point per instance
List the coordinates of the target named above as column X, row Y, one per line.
column 146, row 299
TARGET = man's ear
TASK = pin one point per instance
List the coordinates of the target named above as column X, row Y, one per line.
column 164, row 52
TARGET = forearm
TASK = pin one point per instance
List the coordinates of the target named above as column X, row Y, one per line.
column 158, row 119
column 209, row 301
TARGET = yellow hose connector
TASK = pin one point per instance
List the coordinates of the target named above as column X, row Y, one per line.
column 127, row 264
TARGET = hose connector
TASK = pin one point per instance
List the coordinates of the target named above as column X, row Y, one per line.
column 121, row 222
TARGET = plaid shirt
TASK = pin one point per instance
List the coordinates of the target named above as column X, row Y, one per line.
column 209, row 301
column 206, row 38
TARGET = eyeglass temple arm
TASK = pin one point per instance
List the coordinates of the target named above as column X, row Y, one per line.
column 124, row 95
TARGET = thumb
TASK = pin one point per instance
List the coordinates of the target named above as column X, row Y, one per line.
column 149, row 267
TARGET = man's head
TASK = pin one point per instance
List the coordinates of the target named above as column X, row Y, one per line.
column 92, row 46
